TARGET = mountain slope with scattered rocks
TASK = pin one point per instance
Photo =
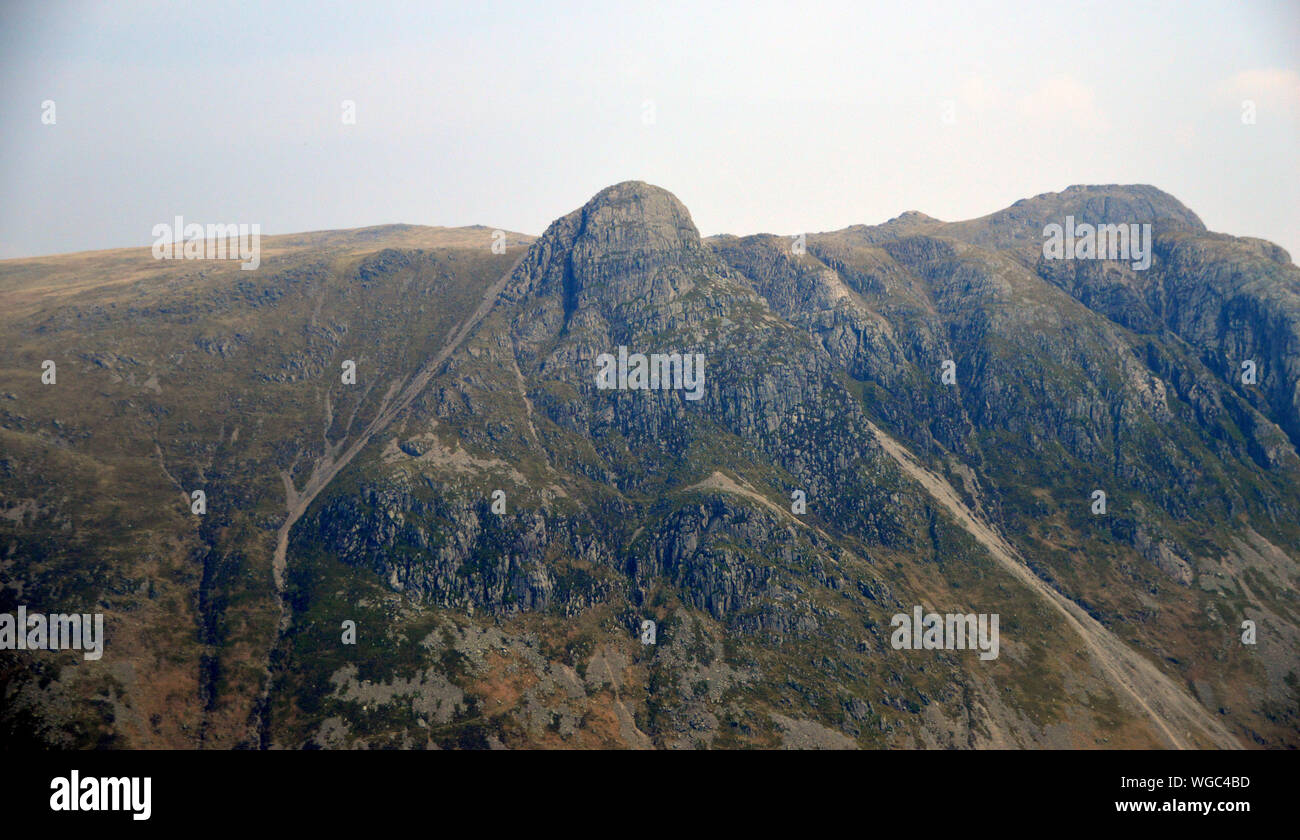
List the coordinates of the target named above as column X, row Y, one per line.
column 917, row 413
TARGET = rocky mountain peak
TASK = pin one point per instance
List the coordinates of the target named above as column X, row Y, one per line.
column 1142, row 202
column 631, row 242
column 1022, row 223
column 913, row 216
column 635, row 216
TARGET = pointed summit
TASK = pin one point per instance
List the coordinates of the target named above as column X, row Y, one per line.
column 636, row 216
column 631, row 240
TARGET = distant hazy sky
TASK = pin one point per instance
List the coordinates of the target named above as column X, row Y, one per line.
column 766, row 117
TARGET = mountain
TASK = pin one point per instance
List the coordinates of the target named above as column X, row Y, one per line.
column 851, row 425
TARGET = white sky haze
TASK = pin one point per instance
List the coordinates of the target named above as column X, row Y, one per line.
column 778, row 118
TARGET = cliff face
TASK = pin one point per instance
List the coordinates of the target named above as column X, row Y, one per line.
column 915, row 413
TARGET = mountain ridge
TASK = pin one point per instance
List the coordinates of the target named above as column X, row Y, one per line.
column 482, row 627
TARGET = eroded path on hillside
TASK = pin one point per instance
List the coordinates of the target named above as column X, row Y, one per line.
column 1176, row 714
column 398, row 397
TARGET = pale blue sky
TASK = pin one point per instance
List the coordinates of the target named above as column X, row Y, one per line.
column 767, row 117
